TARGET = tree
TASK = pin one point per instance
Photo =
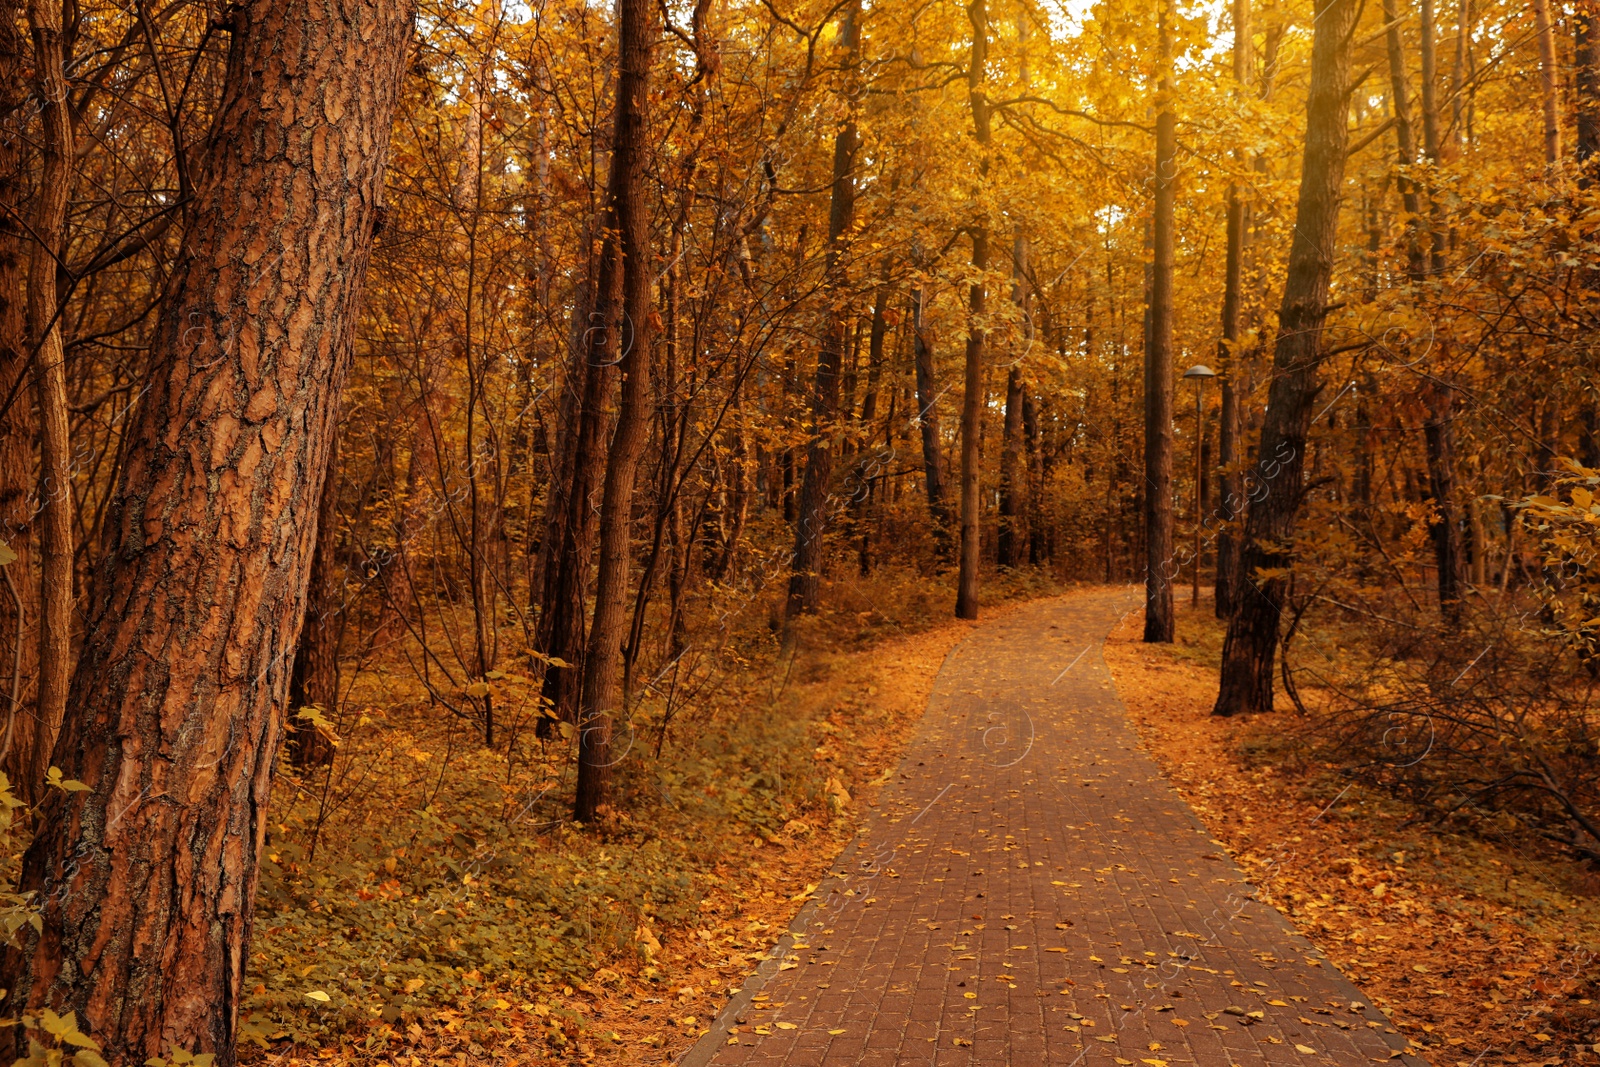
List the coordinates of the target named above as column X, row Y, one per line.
column 1160, row 568
column 625, row 317
column 1250, row 648
column 972, row 395
column 145, row 878
column 1226, row 588
column 805, row 581
column 50, row 382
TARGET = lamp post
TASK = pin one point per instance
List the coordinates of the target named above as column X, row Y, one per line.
column 1198, row 374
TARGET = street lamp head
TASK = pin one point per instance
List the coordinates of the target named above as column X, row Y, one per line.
column 1200, row 370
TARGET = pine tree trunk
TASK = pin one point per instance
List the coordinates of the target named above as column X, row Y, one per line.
column 805, row 577
column 1274, row 489
column 625, row 333
column 1159, row 565
column 176, row 707
column 972, row 397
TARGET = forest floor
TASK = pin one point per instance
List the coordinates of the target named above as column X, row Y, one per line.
column 1482, row 948
column 426, row 901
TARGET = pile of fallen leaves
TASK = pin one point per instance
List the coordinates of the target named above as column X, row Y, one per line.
column 426, row 900
column 1483, row 948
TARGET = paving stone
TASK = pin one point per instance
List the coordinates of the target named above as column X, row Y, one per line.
column 1030, row 884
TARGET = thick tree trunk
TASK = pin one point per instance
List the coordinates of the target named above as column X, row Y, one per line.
column 19, row 591
column 1250, row 648
column 625, row 335
column 972, row 398
column 1225, row 591
column 50, row 382
column 805, row 575
column 146, row 879
column 1159, row 564
column 314, row 682
column 934, row 475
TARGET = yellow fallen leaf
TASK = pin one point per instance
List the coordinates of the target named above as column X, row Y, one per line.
column 784, row 1026
column 835, row 1033
column 1304, row 1049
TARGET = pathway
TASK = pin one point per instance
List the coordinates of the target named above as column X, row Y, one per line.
column 1031, row 891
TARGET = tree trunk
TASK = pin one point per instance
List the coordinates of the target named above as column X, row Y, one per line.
column 625, row 335
column 1250, row 648
column 805, row 576
column 1405, row 140
column 933, row 468
column 1013, row 533
column 19, row 592
column 972, row 399
column 50, row 382
column 1225, row 594
column 1159, row 566
column 1586, row 79
column 175, row 712
column 314, row 682
column 1549, row 82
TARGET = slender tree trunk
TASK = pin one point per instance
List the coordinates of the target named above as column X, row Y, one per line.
column 626, row 328
column 1250, row 648
column 50, row 381
column 146, row 879
column 1225, row 593
column 1549, row 82
column 972, row 399
column 1012, row 536
column 1405, row 140
column 1586, row 79
column 805, row 578
column 314, row 681
column 933, row 467
column 1439, row 427
column 19, row 592
column 1159, row 565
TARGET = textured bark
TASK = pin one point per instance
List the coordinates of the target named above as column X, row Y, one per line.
column 625, row 337
column 805, row 571
column 1159, row 565
column 1225, row 590
column 176, row 707
column 972, row 398
column 50, row 383
column 314, row 682
column 19, row 592
column 1250, row 648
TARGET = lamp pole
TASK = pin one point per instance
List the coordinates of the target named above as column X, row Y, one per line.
column 1198, row 373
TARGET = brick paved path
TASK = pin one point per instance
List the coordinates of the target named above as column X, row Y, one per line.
column 1032, row 891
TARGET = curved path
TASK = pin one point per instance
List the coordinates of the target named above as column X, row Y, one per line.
column 1031, row 890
